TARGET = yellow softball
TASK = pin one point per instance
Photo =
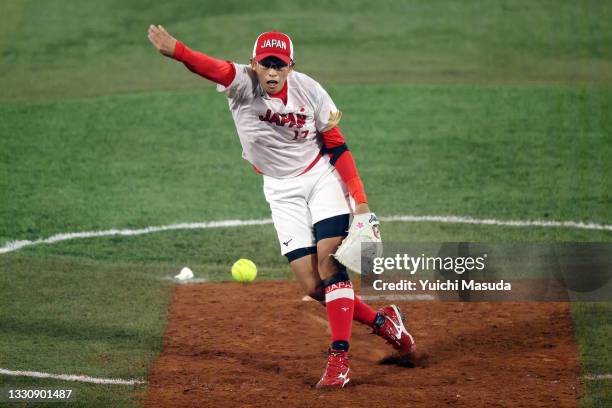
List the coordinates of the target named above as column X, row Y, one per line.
column 244, row 270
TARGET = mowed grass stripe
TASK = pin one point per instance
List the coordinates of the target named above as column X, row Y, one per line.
column 102, row 320
column 100, row 48
column 12, row 16
column 163, row 158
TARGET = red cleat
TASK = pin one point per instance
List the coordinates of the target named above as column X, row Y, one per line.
column 336, row 373
column 392, row 329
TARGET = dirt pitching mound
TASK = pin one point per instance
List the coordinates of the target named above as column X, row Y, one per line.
column 260, row 345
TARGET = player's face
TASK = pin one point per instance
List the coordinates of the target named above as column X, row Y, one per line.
column 272, row 73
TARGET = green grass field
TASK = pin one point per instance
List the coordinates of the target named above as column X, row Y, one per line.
column 484, row 109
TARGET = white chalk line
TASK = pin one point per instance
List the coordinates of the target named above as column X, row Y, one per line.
column 12, row 246
column 70, row 377
column 16, row 245
column 118, row 381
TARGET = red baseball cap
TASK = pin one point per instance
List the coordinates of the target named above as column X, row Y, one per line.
column 273, row 44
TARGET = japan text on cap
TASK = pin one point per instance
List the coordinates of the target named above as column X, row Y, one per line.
column 273, row 44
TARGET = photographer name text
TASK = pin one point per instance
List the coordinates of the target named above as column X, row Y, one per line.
column 440, row 285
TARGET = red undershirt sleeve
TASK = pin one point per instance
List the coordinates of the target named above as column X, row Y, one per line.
column 213, row 69
column 345, row 165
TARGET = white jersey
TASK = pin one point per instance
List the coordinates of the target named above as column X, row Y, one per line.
column 280, row 141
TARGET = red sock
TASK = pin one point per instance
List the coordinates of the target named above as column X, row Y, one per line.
column 339, row 302
column 363, row 312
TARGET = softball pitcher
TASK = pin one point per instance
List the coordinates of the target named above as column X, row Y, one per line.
column 288, row 128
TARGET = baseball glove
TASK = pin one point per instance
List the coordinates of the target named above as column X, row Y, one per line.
column 363, row 230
